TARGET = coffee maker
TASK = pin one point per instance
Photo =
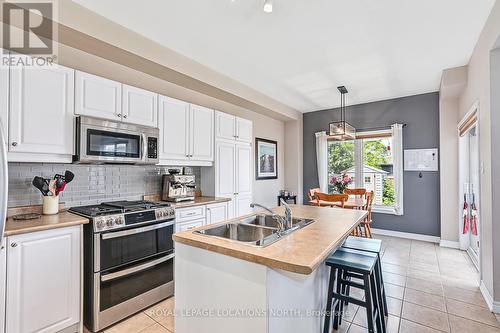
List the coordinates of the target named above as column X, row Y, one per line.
column 177, row 187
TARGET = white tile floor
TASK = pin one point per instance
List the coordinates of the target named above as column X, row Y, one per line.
column 429, row 288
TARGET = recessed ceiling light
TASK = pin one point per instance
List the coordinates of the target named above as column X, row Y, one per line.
column 268, row 6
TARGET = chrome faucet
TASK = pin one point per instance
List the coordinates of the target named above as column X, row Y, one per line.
column 284, row 223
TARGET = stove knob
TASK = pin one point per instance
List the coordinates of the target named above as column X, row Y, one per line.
column 100, row 224
column 109, row 222
column 119, row 220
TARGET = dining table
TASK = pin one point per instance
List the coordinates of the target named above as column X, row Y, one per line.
column 351, row 203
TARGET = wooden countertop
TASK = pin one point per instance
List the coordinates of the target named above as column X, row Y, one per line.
column 300, row 252
column 45, row 222
column 199, row 201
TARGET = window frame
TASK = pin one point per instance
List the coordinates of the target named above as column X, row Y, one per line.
column 358, row 163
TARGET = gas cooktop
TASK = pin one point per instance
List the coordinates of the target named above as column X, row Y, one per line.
column 117, row 207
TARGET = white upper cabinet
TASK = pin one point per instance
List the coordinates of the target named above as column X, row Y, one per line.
column 41, row 110
column 186, row 133
column 228, row 127
column 225, row 126
column 4, row 102
column 43, row 281
column 201, row 136
column 98, row 97
column 174, row 129
column 243, row 130
column 139, row 106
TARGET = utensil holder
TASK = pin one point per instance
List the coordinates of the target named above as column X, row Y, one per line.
column 50, row 205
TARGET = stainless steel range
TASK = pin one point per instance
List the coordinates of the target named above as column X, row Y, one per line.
column 128, row 259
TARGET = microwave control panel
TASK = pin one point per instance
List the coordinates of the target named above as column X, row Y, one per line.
column 152, row 148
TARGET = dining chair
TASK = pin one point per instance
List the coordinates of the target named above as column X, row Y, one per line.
column 356, row 192
column 335, row 199
column 311, row 194
column 368, row 220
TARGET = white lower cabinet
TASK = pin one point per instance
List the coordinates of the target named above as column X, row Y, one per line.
column 187, row 225
column 242, row 205
column 217, row 212
column 43, row 281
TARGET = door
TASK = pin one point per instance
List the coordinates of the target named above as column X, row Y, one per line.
column 217, row 213
column 41, row 110
column 201, row 133
column 243, row 130
column 3, row 279
column 243, row 168
column 139, row 106
column 4, row 102
column 98, row 97
column 43, row 281
column 225, row 171
column 174, row 129
column 242, row 205
column 474, row 191
column 225, row 126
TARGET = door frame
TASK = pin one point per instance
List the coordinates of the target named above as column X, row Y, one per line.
column 473, row 111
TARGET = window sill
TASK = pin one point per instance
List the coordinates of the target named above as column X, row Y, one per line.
column 384, row 210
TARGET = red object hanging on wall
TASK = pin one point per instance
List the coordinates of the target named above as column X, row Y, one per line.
column 466, row 215
column 473, row 218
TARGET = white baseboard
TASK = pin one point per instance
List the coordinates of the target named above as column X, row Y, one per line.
column 492, row 305
column 406, row 235
column 450, row 244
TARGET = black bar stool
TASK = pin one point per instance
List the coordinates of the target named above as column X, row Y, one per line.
column 346, row 264
column 373, row 246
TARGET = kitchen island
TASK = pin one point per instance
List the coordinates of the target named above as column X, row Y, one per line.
column 227, row 286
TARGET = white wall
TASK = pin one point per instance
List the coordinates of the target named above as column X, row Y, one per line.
column 478, row 90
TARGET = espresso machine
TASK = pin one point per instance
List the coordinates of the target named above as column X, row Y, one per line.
column 177, row 187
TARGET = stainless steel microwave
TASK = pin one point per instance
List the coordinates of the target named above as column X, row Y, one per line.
column 103, row 141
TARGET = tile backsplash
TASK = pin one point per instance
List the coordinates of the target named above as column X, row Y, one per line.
column 92, row 184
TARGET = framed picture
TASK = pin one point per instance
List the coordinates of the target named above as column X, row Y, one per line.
column 266, row 159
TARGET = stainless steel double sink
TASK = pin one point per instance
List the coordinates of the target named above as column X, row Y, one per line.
column 257, row 230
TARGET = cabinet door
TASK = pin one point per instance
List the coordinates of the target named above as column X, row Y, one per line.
column 242, row 205
column 3, row 279
column 41, row 110
column 183, row 226
column 244, row 164
column 174, row 129
column 139, row 106
column 98, row 97
column 225, row 126
column 4, row 102
column 244, row 130
column 43, row 281
column 225, row 170
column 217, row 213
column 201, row 133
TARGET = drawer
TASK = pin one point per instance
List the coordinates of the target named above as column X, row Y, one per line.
column 189, row 214
column 183, row 226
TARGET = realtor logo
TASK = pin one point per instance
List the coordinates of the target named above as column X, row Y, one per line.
column 28, row 34
column 29, row 27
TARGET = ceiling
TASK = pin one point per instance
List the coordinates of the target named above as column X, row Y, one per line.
column 304, row 49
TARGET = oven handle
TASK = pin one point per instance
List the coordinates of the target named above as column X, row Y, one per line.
column 135, row 269
column 124, row 233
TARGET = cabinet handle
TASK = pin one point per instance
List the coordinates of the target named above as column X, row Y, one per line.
column 125, row 116
column 13, row 245
column 119, row 115
column 14, row 144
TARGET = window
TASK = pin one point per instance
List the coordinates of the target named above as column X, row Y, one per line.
column 368, row 163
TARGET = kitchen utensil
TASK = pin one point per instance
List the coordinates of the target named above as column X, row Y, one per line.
column 40, row 184
column 23, row 217
column 68, row 176
column 60, row 184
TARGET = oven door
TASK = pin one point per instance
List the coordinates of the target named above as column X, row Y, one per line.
column 122, row 292
column 119, row 248
column 101, row 141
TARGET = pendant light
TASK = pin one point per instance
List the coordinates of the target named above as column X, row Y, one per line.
column 342, row 130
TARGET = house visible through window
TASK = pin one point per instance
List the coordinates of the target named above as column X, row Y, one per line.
column 368, row 161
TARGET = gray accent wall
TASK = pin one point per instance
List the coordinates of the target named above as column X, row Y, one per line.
column 93, row 184
column 421, row 195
